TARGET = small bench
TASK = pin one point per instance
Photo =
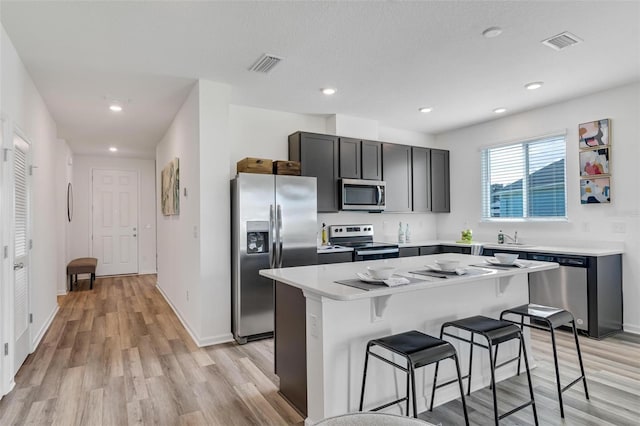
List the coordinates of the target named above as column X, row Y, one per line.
column 83, row 265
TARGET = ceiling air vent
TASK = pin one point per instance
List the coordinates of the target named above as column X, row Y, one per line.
column 265, row 63
column 560, row 41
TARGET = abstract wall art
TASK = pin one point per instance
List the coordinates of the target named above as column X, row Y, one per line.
column 170, row 187
column 594, row 162
column 594, row 134
column 595, row 191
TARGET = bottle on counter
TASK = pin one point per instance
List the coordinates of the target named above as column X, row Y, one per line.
column 325, row 236
column 407, row 234
column 400, row 233
column 500, row 237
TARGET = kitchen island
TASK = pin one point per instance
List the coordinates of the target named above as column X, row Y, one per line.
column 322, row 327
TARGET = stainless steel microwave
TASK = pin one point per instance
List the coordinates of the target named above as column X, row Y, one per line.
column 358, row 194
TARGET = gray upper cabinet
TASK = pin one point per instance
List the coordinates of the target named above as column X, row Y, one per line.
column 350, row 158
column 318, row 156
column 360, row 159
column 421, row 179
column 371, row 160
column 396, row 167
column 440, row 199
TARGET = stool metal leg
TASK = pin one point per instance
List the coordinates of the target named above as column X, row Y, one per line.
column 408, row 379
column 520, row 347
column 433, row 388
column 526, row 366
column 584, row 377
column 555, row 363
column 413, row 390
column 364, row 376
column 493, row 382
column 470, row 364
column 464, row 403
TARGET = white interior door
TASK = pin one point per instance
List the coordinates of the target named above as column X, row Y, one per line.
column 21, row 191
column 115, row 221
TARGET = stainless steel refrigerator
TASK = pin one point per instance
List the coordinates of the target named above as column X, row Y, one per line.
column 274, row 225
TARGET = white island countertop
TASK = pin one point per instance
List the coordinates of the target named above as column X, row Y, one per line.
column 320, row 279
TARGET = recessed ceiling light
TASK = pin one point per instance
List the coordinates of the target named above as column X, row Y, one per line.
column 492, row 32
column 113, row 149
column 115, row 107
column 500, row 110
column 425, row 109
column 329, row 91
column 534, row 85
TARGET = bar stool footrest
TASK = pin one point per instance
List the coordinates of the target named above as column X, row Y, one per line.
column 389, row 404
column 572, row 383
column 518, row 408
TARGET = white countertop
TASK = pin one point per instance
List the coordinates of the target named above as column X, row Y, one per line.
column 570, row 250
column 319, row 279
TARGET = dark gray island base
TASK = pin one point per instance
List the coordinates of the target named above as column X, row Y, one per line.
column 290, row 345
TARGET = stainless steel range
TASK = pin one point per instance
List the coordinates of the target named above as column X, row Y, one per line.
column 360, row 238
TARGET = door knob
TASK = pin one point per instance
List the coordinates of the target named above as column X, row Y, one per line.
column 134, row 235
column 17, row 266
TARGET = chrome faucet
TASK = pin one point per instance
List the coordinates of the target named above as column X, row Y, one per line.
column 513, row 239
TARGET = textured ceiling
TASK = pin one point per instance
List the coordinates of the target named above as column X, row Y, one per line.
column 387, row 59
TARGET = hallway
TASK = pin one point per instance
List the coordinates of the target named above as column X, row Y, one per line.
column 118, row 355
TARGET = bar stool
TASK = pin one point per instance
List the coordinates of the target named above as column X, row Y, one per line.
column 553, row 318
column 419, row 350
column 495, row 332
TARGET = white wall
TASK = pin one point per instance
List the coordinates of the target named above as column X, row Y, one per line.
column 178, row 247
column 587, row 224
column 23, row 108
column 64, row 176
column 82, row 219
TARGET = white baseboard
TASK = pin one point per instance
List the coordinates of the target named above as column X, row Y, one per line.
column 9, row 389
column 62, row 293
column 200, row 342
column 44, row 328
column 630, row 328
column 150, row 272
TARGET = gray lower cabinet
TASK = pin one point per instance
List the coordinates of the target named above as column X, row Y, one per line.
column 421, row 180
column 396, row 171
column 440, row 196
column 326, row 258
column 409, row 251
column 372, row 160
column 427, row 250
column 455, row 249
column 350, row 158
column 318, row 156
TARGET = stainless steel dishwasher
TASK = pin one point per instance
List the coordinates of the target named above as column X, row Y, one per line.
column 565, row 287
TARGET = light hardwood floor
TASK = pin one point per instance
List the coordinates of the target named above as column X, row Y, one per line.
column 118, row 355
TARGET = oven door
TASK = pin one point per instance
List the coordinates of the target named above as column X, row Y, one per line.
column 367, row 195
column 374, row 254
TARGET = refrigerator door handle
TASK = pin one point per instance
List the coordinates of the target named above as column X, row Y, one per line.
column 272, row 238
column 279, row 234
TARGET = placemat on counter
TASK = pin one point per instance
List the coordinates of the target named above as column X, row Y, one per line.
column 447, row 274
column 369, row 286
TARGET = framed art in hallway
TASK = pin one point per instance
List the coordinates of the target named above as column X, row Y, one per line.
column 594, row 134
column 594, row 162
column 595, row 191
column 170, row 186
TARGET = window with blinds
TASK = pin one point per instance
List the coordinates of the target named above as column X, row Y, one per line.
column 525, row 180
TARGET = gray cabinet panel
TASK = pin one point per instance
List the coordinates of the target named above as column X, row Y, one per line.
column 326, row 258
column 426, row 250
column 396, row 171
column 371, row 160
column 409, row 251
column 318, row 156
column 350, row 158
column 456, row 249
column 421, row 179
column 440, row 181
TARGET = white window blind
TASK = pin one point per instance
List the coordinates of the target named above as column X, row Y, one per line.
column 20, row 200
column 525, row 179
